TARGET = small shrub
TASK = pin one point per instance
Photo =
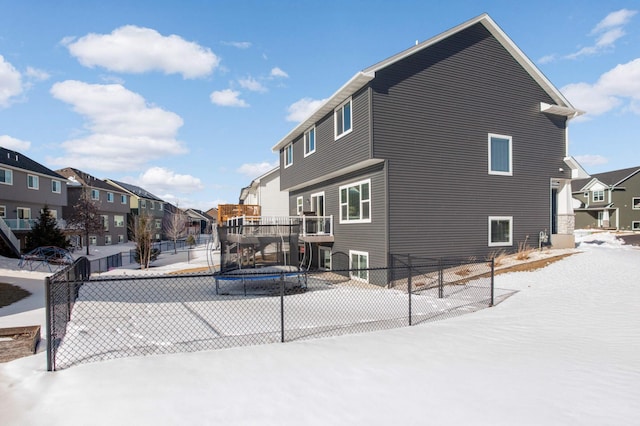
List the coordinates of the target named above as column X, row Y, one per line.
column 524, row 251
column 498, row 257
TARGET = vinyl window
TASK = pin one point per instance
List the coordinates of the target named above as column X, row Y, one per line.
column 110, row 197
column 355, row 202
column 500, row 155
column 310, row 141
column 123, row 199
column 33, row 182
column 288, row 155
column 3, row 211
column 359, row 265
column 95, row 194
column 324, row 261
column 635, row 202
column 299, row 206
column 597, row 196
column 343, row 119
column 6, row 176
column 118, row 221
column 635, row 225
column 500, row 231
column 55, row 186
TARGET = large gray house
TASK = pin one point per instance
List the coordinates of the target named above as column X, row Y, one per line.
column 609, row 200
column 26, row 186
column 456, row 146
column 112, row 204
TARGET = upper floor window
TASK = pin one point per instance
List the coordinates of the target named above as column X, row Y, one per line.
column 500, row 230
column 342, row 118
column 355, row 202
column 95, row 194
column 143, row 204
column 500, row 161
column 310, row 141
column 160, row 206
column 598, row 196
column 55, row 186
column 288, row 155
column 152, row 205
column 6, row 176
column 33, row 182
column 110, row 197
column 635, row 202
column 123, row 199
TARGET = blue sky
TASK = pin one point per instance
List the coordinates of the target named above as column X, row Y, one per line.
column 187, row 98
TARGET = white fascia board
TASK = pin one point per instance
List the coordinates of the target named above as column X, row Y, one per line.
column 577, row 172
column 345, row 170
column 560, row 110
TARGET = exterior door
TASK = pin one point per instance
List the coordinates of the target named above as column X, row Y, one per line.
column 317, row 204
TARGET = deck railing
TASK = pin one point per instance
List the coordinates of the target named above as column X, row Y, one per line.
column 279, row 225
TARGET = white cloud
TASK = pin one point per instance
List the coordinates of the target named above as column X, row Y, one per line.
column 37, row 74
column 254, row 170
column 124, row 131
column 132, row 49
column 610, row 91
column 15, row 144
column 252, row 84
column 591, row 160
column 160, row 180
column 607, row 31
column 277, row 72
column 303, row 108
column 228, row 97
column 547, row 59
column 10, row 82
column 238, row 44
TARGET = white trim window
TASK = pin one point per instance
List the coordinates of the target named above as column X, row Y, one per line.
column 500, row 231
column 299, row 206
column 93, row 240
column 53, row 213
column 23, row 213
column 120, row 238
column 118, row 221
column 123, row 199
column 6, row 176
column 635, row 225
column 105, row 222
column 143, row 204
column 500, row 155
column 33, row 182
column 324, row 258
column 288, row 155
column 56, row 186
column 107, row 240
column 310, row 141
column 635, row 203
column 95, row 194
column 109, row 197
column 359, row 265
column 343, row 119
column 355, row 202
column 3, row 211
column 597, row 196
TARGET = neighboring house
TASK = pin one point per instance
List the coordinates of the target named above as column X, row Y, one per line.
column 609, row 200
column 25, row 188
column 454, row 147
column 111, row 201
column 265, row 192
column 142, row 202
column 199, row 222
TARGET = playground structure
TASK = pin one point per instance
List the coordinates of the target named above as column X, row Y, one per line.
column 46, row 256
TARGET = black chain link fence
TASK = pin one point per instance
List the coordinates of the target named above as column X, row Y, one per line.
column 104, row 318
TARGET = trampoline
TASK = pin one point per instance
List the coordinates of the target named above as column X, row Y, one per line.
column 261, row 281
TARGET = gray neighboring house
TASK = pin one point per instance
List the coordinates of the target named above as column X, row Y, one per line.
column 456, row 146
column 609, row 200
column 25, row 188
column 112, row 203
column 142, row 202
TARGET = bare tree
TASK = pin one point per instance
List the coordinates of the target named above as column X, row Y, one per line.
column 143, row 237
column 86, row 218
column 175, row 226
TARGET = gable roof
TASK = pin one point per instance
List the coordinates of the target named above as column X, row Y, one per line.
column 85, row 179
column 360, row 79
column 135, row 190
column 611, row 179
column 21, row 161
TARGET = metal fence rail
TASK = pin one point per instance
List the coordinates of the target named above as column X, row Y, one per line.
column 100, row 318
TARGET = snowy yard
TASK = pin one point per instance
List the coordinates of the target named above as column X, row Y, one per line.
column 562, row 350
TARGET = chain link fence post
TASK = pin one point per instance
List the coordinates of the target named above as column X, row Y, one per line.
column 440, row 279
column 409, row 285
column 492, row 275
column 281, row 307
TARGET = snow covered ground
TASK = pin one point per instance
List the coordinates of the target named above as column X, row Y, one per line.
column 565, row 349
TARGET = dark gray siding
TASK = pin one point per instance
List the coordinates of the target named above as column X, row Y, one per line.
column 18, row 195
column 623, row 200
column 367, row 237
column 331, row 155
column 432, row 114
